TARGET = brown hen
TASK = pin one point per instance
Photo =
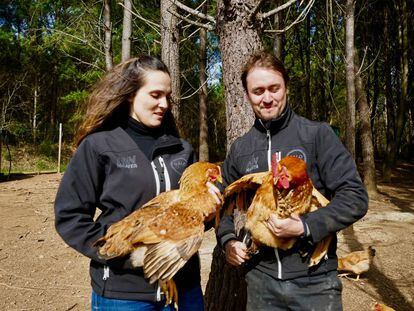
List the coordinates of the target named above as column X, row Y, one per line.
column 164, row 233
column 356, row 262
column 285, row 190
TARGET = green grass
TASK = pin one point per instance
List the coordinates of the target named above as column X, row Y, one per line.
column 32, row 159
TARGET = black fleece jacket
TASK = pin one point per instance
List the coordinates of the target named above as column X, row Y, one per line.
column 110, row 172
column 332, row 171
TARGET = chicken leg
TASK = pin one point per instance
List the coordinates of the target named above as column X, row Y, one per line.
column 170, row 291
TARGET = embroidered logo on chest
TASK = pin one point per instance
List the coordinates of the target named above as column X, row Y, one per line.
column 179, row 165
column 252, row 164
column 126, row 162
column 299, row 153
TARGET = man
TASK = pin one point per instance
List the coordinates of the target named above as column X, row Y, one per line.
column 282, row 280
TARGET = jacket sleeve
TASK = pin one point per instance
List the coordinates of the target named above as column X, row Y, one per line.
column 76, row 201
column 339, row 174
column 225, row 231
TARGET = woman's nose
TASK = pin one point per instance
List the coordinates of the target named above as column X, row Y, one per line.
column 163, row 103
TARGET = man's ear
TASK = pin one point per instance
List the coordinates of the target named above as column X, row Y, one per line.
column 287, row 91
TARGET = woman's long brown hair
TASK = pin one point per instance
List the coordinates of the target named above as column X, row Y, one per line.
column 108, row 105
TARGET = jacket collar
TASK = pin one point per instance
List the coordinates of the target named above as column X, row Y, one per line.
column 277, row 124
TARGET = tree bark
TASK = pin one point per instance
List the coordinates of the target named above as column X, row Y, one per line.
column 278, row 44
column 203, row 138
column 34, row 121
column 368, row 168
column 403, row 107
column 226, row 288
column 170, row 39
column 108, row 35
column 237, row 43
column 126, row 31
column 308, row 101
column 350, row 76
column 389, row 105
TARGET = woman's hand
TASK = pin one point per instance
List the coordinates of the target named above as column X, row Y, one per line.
column 215, row 192
column 285, row 228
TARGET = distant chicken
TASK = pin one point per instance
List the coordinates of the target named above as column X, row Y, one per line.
column 285, row 190
column 382, row 307
column 163, row 234
column 356, row 262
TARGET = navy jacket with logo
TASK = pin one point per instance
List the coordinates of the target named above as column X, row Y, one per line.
column 109, row 172
column 332, row 171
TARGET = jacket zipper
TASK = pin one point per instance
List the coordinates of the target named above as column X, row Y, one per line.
column 166, row 175
column 157, row 179
column 269, row 165
column 160, row 175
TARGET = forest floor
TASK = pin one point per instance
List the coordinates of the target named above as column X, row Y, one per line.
column 39, row 272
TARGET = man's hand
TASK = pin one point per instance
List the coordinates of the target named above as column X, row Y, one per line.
column 285, row 228
column 236, row 252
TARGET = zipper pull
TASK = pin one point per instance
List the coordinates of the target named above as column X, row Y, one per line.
column 106, row 273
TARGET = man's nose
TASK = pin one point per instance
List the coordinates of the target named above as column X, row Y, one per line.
column 267, row 98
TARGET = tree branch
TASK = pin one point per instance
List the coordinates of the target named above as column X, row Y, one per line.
column 278, row 9
column 154, row 26
column 194, row 12
column 299, row 19
column 206, row 26
column 254, row 11
column 190, row 35
column 195, row 92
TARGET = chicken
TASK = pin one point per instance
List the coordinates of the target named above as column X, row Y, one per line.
column 285, row 190
column 163, row 234
column 382, row 307
column 356, row 262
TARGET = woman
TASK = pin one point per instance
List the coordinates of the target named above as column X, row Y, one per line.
column 128, row 152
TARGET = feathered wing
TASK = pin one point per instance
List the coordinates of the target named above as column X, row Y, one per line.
column 181, row 241
column 319, row 201
column 250, row 181
column 263, row 205
column 238, row 195
column 122, row 237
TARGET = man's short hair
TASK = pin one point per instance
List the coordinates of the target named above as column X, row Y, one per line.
column 263, row 60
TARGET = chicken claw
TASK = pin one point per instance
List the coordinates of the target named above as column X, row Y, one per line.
column 170, row 291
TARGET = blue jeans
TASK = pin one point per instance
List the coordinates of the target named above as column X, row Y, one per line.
column 188, row 300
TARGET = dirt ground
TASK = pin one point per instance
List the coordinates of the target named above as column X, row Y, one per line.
column 39, row 272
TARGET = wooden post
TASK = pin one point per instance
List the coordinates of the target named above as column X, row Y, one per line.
column 60, row 146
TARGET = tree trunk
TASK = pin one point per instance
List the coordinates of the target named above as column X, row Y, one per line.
column 278, row 44
column 34, row 121
column 350, row 76
column 308, row 101
column 366, row 134
column 389, row 105
column 375, row 104
column 126, row 31
column 403, row 107
column 203, row 138
column 238, row 41
column 170, row 39
column 108, row 35
column 226, row 288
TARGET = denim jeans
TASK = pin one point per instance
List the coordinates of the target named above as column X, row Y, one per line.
column 188, row 300
column 319, row 292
